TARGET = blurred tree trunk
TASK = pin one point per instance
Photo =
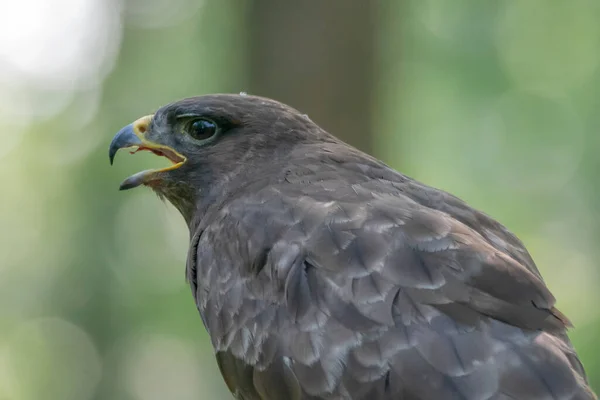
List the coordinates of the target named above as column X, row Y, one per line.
column 317, row 56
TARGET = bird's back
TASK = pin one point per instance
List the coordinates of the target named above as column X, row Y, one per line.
column 343, row 279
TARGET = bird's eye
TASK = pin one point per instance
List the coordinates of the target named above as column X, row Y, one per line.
column 202, row 129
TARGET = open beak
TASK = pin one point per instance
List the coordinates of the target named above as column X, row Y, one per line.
column 133, row 137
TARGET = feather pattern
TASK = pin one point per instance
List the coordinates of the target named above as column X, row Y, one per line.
column 348, row 280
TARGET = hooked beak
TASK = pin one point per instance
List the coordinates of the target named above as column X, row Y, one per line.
column 133, row 136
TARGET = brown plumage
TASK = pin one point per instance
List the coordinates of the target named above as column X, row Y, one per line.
column 321, row 273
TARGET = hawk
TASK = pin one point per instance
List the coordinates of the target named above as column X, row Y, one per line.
column 322, row 273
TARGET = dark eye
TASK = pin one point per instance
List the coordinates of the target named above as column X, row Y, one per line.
column 202, row 129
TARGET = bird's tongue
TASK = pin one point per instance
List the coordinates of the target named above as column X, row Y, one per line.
column 146, row 176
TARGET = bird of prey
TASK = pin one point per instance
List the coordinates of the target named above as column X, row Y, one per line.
column 322, row 273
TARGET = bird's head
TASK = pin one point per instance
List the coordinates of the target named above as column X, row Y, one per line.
column 210, row 140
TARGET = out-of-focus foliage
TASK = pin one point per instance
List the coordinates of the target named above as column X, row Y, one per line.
column 496, row 102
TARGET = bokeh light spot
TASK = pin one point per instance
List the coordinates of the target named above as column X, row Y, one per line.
column 52, row 358
column 48, row 49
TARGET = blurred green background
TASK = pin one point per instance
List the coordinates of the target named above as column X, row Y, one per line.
column 497, row 102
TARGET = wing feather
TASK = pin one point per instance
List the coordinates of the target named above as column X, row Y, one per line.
column 380, row 289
